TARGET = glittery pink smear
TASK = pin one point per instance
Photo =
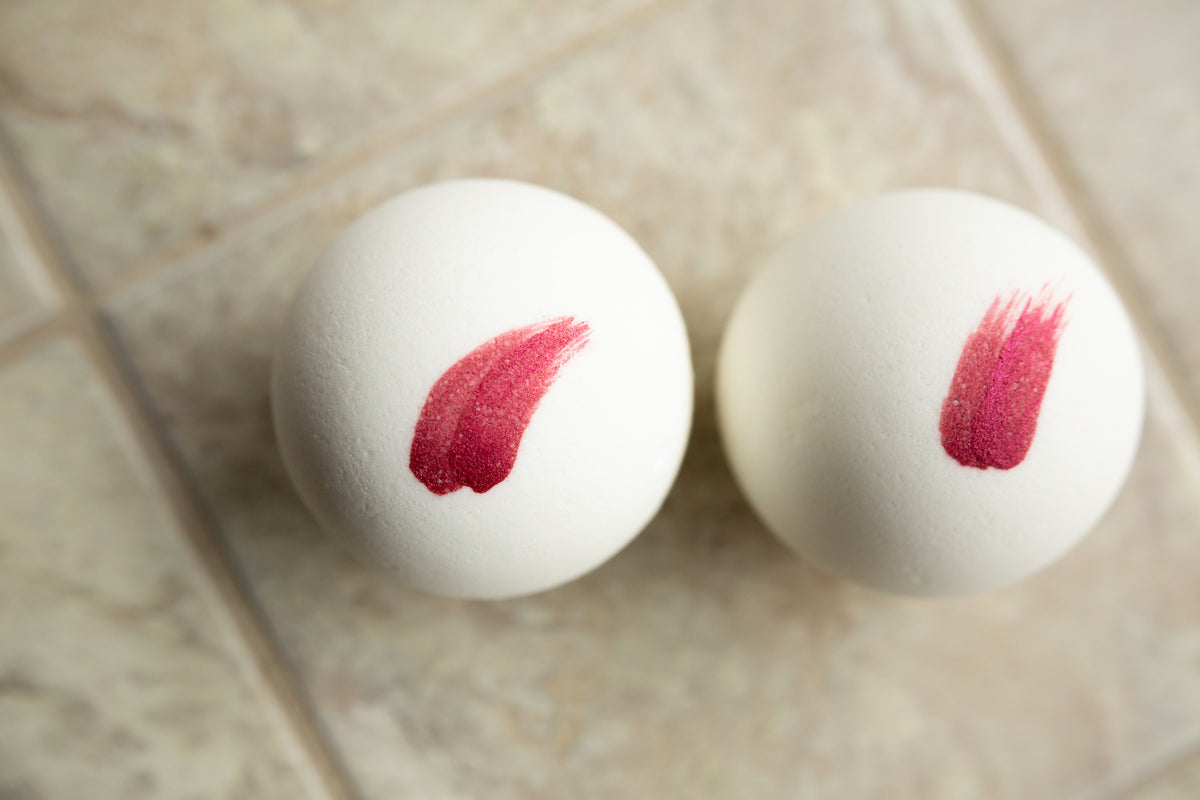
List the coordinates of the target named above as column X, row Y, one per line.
column 471, row 424
column 991, row 413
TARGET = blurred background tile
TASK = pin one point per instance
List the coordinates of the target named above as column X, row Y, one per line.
column 1117, row 83
column 115, row 680
column 142, row 124
column 702, row 661
column 1180, row 783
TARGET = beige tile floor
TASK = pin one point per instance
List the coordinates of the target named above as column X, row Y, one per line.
column 172, row 624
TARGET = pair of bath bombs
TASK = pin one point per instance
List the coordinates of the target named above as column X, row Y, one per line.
column 485, row 387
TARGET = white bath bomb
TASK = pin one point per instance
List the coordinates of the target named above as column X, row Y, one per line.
column 930, row 393
column 484, row 386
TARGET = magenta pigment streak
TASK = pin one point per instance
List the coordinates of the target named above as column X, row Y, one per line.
column 991, row 413
column 471, row 425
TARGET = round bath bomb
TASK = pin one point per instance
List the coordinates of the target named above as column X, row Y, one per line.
column 930, row 393
column 483, row 386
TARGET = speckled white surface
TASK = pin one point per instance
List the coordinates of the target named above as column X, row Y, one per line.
column 411, row 288
column 835, row 366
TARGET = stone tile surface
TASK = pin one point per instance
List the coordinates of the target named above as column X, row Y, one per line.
column 702, row 661
column 114, row 680
column 145, row 123
column 1180, row 783
column 1118, row 82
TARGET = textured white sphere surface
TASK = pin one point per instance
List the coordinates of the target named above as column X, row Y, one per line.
column 931, row 393
column 483, row 386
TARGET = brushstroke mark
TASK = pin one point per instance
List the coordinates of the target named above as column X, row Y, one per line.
column 990, row 415
column 471, row 424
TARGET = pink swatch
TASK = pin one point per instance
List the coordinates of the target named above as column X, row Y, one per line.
column 991, row 413
column 473, row 419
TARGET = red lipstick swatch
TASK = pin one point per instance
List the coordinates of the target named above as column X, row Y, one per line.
column 991, row 413
column 473, row 419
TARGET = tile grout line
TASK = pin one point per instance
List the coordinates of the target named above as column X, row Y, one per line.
column 45, row 299
column 81, row 297
column 238, row 613
column 255, row 641
column 381, row 141
column 1043, row 160
column 17, row 211
column 22, row 342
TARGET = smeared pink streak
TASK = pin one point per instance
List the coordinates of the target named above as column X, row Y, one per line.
column 990, row 415
column 471, row 425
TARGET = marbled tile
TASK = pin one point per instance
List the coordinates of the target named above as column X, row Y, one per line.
column 115, row 681
column 145, row 123
column 702, row 661
column 1180, row 783
column 1118, row 82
